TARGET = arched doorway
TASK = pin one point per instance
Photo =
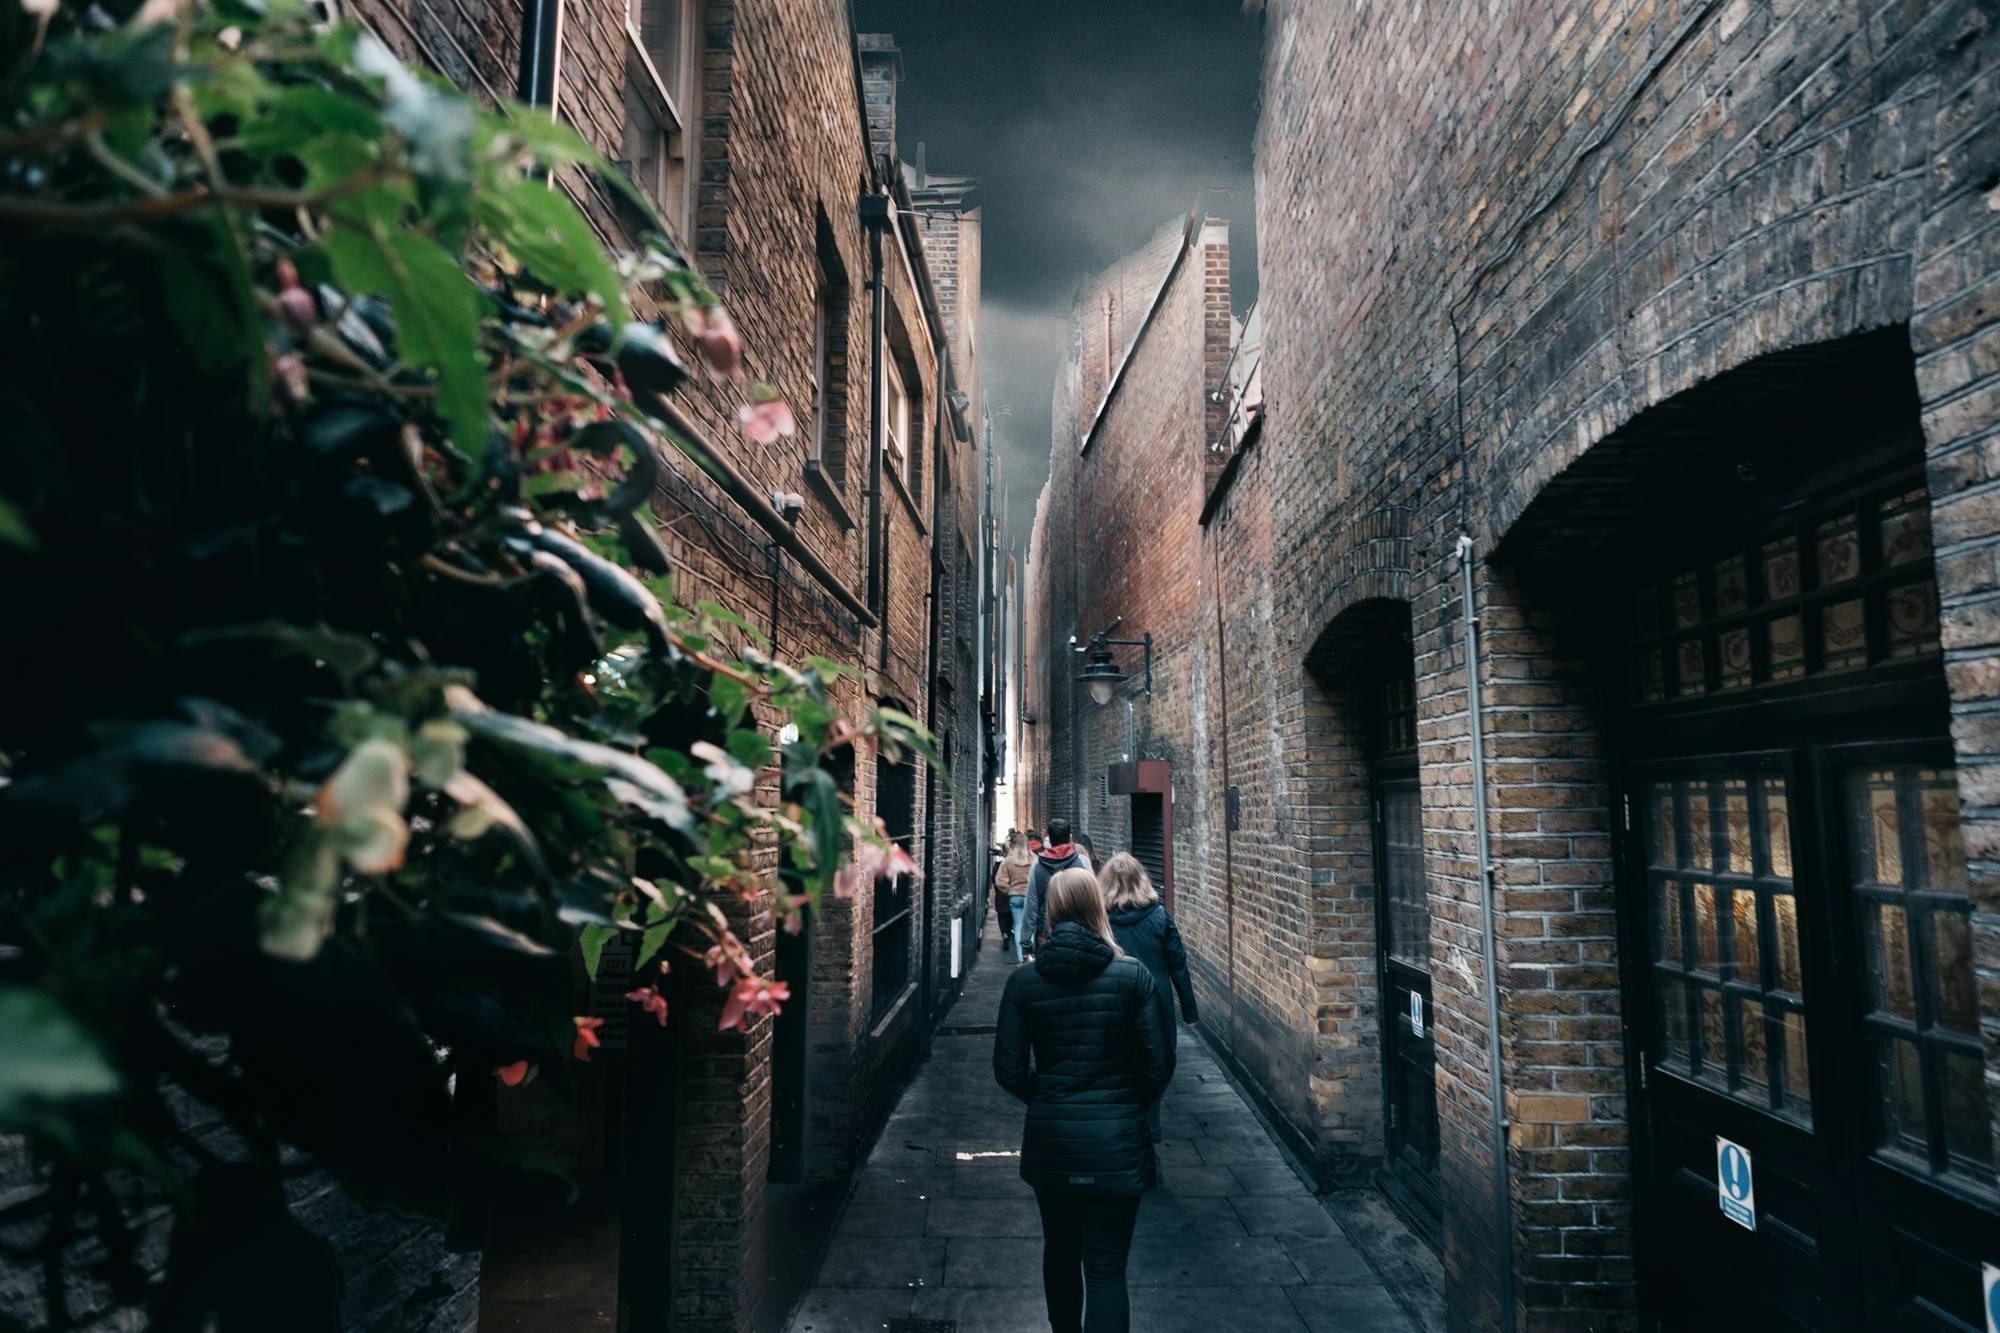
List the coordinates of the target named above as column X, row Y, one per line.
column 1812, row 1141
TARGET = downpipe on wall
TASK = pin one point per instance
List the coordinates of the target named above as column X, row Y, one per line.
column 1502, row 1213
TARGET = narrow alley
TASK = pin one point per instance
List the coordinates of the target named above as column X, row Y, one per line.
column 941, row 1235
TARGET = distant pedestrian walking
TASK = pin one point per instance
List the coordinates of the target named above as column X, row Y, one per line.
column 1010, row 886
column 1083, row 1042
column 1145, row 932
column 1057, row 854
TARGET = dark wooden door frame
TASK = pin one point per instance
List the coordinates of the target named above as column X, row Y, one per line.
column 1151, row 777
column 1416, row 1192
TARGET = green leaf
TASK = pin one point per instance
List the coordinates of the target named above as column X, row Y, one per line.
column 652, row 941
column 628, row 778
column 728, row 697
column 46, row 1058
column 749, row 748
column 718, row 612
column 14, row 530
column 829, row 670
column 436, row 122
column 198, row 300
column 436, row 308
column 542, row 228
column 551, row 141
column 592, row 939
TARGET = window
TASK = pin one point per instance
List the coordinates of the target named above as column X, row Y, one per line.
column 895, row 895
column 829, row 365
column 661, row 102
column 1729, row 982
column 1922, row 1013
column 1830, row 591
column 895, row 416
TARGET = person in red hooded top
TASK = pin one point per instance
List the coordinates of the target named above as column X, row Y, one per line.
column 1059, row 854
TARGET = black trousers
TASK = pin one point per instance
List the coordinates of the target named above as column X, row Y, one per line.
column 1085, row 1242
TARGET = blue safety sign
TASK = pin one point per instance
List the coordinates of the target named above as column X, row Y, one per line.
column 1735, row 1189
column 1992, row 1299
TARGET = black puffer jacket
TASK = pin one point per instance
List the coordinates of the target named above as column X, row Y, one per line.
column 1149, row 935
column 1102, row 1056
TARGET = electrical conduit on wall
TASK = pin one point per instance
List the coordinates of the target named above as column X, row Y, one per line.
column 1502, row 1213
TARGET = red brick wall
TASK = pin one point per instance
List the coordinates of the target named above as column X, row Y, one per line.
column 1545, row 220
column 1492, row 235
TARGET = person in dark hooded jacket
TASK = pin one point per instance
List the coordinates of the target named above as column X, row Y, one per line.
column 1054, row 856
column 1144, row 931
column 1082, row 1042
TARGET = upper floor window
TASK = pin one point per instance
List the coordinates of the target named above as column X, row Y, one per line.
column 829, row 363
column 896, row 416
column 663, row 93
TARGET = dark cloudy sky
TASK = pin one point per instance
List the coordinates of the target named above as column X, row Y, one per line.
column 1088, row 124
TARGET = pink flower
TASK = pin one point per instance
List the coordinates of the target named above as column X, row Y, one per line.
column 649, row 999
column 767, row 422
column 586, row 1037
column 726, row 960
column 289, row 371
column 873, row 860
column 752, row 996
column 847, row 881
column 301, row 311
column 721, row 344
column 513, row 1075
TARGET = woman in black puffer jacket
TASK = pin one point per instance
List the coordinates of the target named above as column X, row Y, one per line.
column 1101, row 1057
column 1140, row 924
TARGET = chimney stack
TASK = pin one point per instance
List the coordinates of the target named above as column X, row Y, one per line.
column 881, row 70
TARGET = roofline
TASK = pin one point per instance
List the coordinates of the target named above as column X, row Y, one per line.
column 1188, row 236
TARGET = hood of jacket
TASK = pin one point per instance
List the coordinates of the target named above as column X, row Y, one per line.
column 1132, row 916
column 1060, row 858
column 1073, row 954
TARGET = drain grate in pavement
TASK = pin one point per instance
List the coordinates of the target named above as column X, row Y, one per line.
column 970, row 1030
column 923, row 1326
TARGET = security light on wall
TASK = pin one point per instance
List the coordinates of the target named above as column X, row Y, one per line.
column 1101, row 676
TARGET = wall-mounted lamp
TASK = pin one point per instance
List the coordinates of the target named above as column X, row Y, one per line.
column 1101, row 676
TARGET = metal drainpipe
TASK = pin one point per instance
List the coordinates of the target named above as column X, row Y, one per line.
column 1503, row 1214
column 875, row 211
column 1228, row 838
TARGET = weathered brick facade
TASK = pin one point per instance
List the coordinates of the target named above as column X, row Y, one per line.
column 1524, row 269
column 796, row 195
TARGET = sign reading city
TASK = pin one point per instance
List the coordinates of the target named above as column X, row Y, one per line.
column 1735, row 1190
column 1416, row 1014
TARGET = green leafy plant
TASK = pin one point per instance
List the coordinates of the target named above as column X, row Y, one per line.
column 348, row 696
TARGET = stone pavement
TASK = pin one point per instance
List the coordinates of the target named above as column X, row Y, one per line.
column 941, row 1228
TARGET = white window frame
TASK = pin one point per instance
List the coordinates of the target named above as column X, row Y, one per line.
column 896, row 416
column 670, row 95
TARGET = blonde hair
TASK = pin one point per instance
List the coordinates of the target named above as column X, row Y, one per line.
column 1073, row 895
column 1125, row 883
column 1017, row 849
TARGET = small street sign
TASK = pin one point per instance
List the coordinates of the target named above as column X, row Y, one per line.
column 1416, row 1014
column 1735, row 1190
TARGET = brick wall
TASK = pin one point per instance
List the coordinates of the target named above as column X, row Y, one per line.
column 781, row 157
column 1491, row 236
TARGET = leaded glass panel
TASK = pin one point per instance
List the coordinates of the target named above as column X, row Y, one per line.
column 1832, row 590
column 1912, row 907
column 1728, row 982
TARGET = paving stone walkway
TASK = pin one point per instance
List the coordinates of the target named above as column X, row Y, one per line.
column 941, row 1228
